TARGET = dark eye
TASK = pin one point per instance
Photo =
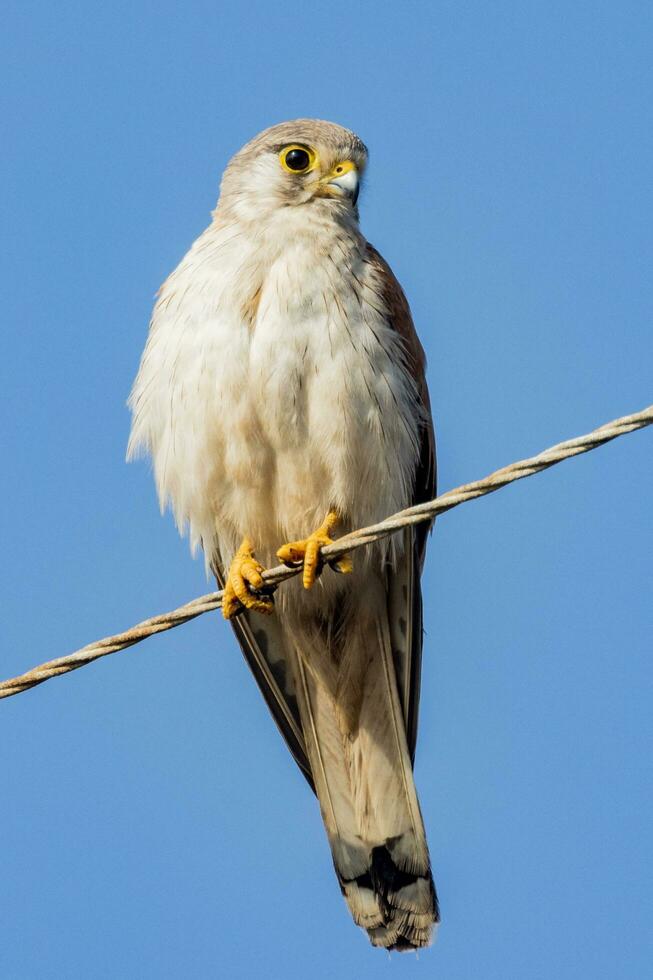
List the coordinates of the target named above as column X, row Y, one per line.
column 297, row 159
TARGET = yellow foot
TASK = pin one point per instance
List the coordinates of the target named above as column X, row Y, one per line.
column 245, row 574
column 307, row 552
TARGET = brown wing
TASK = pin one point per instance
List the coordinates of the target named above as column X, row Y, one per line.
column 263, row 648
column 403, row 583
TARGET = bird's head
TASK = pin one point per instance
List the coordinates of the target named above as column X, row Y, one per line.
column 293, row 164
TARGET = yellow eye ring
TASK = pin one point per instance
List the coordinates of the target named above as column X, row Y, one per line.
column 297, row 159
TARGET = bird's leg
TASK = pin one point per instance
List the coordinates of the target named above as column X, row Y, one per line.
column 307, row 552
column 244, row 575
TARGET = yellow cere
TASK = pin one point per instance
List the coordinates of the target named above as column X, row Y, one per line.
column 343, row 168
column 297, row 159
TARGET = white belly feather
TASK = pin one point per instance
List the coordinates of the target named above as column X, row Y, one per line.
column 271, row 389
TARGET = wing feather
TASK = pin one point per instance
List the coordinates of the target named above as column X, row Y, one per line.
column 261, row 640
column 403, row 583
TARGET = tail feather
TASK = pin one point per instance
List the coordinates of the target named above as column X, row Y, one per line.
column 356, row 743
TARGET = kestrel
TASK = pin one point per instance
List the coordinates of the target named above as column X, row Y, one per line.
column 282, row 397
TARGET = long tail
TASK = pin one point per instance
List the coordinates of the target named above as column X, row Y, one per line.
column 356, row 742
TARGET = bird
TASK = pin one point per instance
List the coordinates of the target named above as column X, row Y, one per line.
column 282, row 399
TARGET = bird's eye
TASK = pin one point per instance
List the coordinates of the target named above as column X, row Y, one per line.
column 297, row 159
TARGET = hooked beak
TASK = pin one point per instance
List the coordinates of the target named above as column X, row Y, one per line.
column 345, row 180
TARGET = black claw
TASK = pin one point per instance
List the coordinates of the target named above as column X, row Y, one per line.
column 293, row 564
column 266, row 591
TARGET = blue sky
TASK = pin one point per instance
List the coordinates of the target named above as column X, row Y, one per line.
column 152, row 821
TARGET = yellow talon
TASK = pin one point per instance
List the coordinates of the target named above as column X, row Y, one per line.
column 245, row 574
column 307, row 552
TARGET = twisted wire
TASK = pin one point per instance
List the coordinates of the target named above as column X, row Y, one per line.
column 349, row 542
